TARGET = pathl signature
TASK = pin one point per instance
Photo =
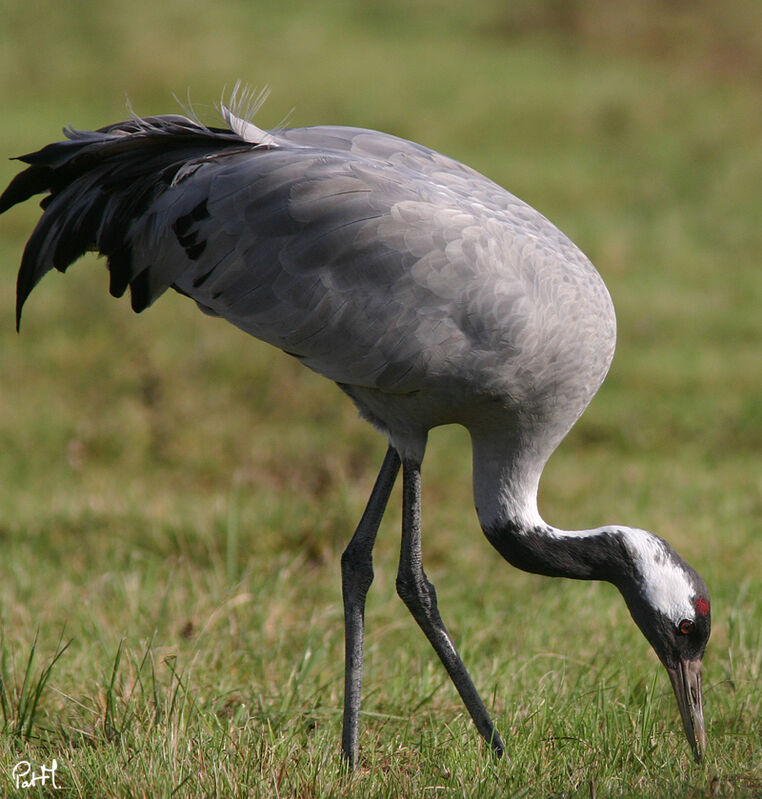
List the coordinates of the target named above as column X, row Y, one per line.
column 25, row 777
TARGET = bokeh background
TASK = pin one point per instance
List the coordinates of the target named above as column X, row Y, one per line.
column 175, row 496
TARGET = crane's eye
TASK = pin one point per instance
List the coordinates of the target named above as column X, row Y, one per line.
column 686, row 626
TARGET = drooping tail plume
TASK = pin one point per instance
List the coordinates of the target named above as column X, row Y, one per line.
column 98, row 182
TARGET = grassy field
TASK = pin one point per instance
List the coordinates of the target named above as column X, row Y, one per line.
column 175, row 496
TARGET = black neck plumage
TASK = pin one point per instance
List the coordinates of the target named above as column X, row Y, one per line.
column 587, row 555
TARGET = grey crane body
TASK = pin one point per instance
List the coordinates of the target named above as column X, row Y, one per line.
column 429, row 294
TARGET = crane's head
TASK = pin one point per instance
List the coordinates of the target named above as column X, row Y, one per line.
column 670, row 603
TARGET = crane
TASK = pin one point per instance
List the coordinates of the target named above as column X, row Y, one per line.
column 426, row 292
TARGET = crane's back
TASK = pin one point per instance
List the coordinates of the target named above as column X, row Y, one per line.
column 411, row 280
column 385, row 265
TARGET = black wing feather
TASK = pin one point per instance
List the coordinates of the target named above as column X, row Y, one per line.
column 97, row 184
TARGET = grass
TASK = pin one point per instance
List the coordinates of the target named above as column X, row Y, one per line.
column 176, row 496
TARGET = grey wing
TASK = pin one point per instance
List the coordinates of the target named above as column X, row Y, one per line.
column 377, row 261
column 340, row 260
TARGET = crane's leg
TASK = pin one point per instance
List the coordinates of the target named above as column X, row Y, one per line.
column 421, row 599
column 356, row 577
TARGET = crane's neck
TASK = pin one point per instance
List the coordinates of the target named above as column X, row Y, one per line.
column 598, row 554
column 506, row 478
column 659, row 587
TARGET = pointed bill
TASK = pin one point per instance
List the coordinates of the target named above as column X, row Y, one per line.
column 686, row 682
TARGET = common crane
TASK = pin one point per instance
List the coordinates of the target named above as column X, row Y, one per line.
column 428, row 293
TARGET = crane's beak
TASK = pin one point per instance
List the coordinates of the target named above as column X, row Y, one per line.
column 686, row 681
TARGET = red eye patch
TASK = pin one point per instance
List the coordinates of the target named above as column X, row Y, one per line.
column 702, row 606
